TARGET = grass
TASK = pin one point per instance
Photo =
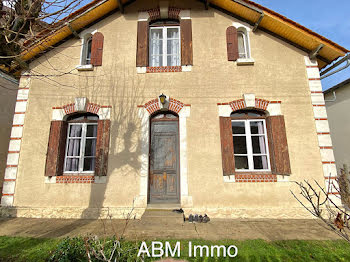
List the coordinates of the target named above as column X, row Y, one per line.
column 34, row 249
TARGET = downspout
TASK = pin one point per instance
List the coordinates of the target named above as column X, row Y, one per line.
column 254, row 9
column 346, row 58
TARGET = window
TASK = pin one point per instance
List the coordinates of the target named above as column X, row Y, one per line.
column 243, row 47
column 164, row 45
column 250, row 141
column 80, row 151
column 86, row 55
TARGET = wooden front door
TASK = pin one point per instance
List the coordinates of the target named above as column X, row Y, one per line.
column 164, row 159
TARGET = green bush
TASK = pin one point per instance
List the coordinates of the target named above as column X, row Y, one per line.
column 69, row 249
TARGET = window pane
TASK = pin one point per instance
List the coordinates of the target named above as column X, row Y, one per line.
column 237, row 114
column 89, row 164
column 92, row 117
column 241, row 45
column 75, row 130
column 73, row 148
column 241, row 162
column 90, row 147
column 255, row 113
column 173, row 33
column 238, row 127
column 173, row 60
column 88, row 51
column 91, row 131
column 173, row 49
column 239, row 145
column 72, row 164
column 156, row 47
column 259, row 146
column 260, row 162
column 257, row 127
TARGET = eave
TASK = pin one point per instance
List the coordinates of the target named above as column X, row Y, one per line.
column 272, row 22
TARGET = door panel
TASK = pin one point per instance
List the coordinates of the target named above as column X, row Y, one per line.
column 164, row 162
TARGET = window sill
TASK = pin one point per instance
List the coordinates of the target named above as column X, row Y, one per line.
column 76, row 179
column 245, row 61
column 85, row 67
column 163, row 69
column 255, row 177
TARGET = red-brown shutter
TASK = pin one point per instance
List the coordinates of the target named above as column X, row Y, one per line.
column 97, row 49
column 102, row 147
column 228, row 161
column 278, row 145
column 186, row 42
column 232, row 43
column 56, row 148
column 142, row 44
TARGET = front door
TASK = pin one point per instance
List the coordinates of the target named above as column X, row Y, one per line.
column 164, row 159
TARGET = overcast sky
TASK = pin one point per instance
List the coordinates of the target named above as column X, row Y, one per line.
column 328, row 18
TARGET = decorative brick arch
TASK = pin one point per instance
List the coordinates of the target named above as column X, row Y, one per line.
column 81, row 105
column 259, row 104
column 173, row 13
column 250, row 101
column 171, row 104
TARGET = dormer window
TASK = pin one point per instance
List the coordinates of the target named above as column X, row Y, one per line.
column 164, row 45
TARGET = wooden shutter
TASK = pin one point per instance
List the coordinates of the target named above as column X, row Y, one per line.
column 232, row 43
column 56, row 148
column 228, row 161
column 279, row 155
column 186, row 42
column 142, row 44
column 102, row 147
column 97, row 49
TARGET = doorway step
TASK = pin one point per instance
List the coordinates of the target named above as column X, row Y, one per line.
column 163, row 216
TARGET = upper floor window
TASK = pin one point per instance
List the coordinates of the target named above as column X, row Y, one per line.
column 80, row 151
column 164, row 45
column 250, row 141
column 91, row 50
column 86, row 54
column 243, row 45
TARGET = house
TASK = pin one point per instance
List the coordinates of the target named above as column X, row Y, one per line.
column 8, row 94
column 337, row 100
column 214, row 106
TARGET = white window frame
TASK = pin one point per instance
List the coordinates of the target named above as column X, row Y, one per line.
column 165, row 41
column 250, row 154
column 82, row 149
column 245, row 43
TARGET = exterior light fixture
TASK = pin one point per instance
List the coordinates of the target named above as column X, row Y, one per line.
column 162, row 98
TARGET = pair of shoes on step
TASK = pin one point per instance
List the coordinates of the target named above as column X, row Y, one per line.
column 198, row 219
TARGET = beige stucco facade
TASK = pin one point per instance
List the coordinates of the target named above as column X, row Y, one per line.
column 339, row 122
column 8, row 93
column 279, row 73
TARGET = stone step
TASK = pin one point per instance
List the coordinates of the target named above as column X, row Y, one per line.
column 161, row 216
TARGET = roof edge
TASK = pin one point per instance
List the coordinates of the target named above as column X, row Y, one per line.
column 341, row 84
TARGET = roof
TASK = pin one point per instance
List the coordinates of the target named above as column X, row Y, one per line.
column 272, row 22
column 344, row 83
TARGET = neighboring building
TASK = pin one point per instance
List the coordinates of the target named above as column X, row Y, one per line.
column 211, row 107
column 8, row 94
column 338, row 104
